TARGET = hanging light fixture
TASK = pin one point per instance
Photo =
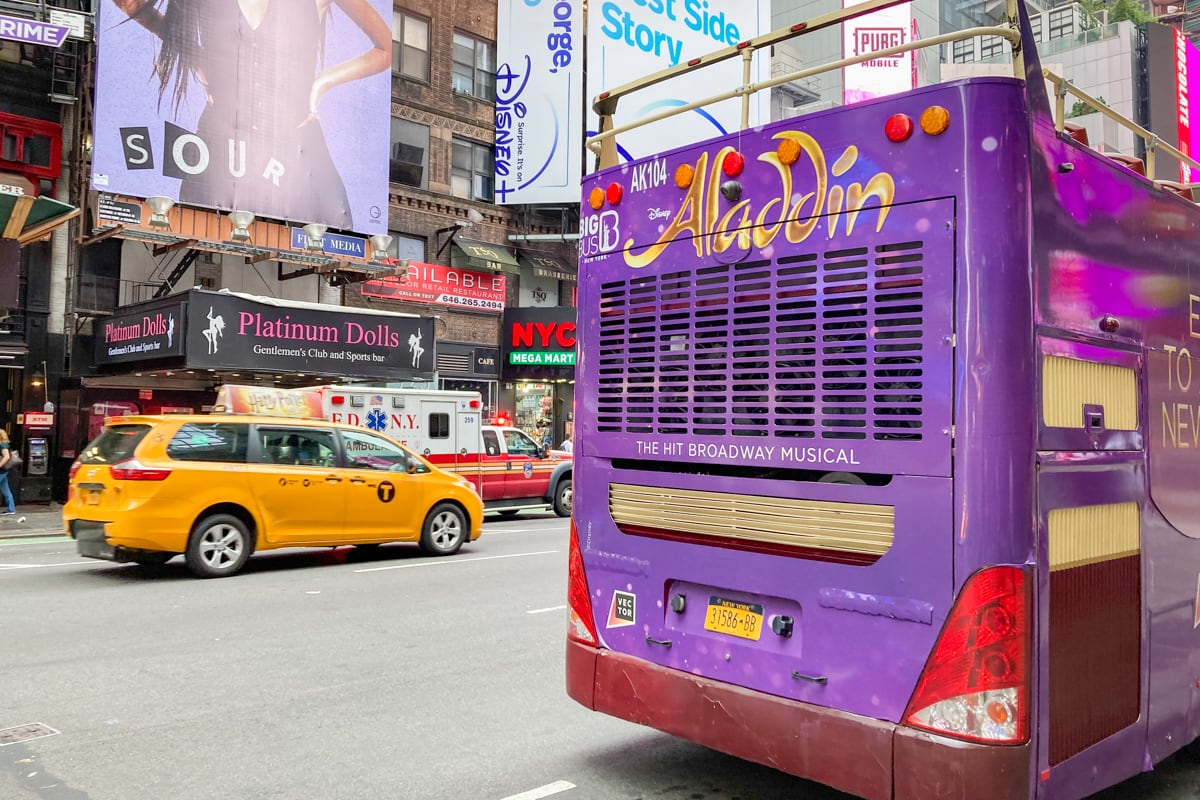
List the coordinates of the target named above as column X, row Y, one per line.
column 315, row 236
column 242, row 220
column 380, row 244
column 159, row 206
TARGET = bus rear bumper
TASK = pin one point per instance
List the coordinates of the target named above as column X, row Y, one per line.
column 859, row 755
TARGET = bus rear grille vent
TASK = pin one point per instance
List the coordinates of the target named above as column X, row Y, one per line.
column 823, row 345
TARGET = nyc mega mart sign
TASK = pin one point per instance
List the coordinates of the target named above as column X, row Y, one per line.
column 543, row 358
column 539, row 337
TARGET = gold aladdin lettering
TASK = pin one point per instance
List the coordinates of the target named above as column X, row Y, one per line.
column 711, row 232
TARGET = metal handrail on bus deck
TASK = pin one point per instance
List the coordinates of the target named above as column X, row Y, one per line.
column 1063, row 87
column 605, row 104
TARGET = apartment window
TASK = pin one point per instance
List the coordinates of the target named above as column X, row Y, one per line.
column 472, row 171
column 1062, row 22
column 410, row 153
column 410, row 46
column 964, row 51
column 474, row 67
column 410, row 247
column 991, row 47
column 1035, row 24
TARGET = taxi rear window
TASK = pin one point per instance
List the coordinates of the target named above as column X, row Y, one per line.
column 115, row 443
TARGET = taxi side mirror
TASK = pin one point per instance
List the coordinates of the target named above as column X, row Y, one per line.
column 410, row 465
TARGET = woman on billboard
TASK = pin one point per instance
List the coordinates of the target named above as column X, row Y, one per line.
column 261, row 66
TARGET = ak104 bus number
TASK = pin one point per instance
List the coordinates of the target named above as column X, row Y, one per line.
column 735, row 619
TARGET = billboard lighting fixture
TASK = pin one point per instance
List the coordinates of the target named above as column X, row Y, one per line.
column 159, row 206
column 380, row 243
column 314, row 234
column 242, row 220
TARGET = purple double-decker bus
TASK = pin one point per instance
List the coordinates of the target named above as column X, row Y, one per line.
column 887, row 456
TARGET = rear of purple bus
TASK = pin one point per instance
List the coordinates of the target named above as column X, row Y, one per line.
column 862, row 482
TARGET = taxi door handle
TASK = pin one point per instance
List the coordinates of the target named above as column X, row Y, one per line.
column 332, row 479
column 358, row 480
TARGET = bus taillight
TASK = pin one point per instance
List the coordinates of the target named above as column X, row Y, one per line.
column 583, row 625
column 975, row 685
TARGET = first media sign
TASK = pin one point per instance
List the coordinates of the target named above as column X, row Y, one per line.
column 32, row 31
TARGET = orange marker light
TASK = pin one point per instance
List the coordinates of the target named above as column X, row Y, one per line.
column 614, row 193
column 596, row 198
column 788, row 151
column 684, row 175
column 899, row 127
column 935, row 120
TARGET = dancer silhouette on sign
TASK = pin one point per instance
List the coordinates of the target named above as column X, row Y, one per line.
column 214, row 331
column 414, row 347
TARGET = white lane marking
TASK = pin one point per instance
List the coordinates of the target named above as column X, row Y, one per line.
column 544, row 610
column 36, row 566
column 455, row 561
column 542, row 791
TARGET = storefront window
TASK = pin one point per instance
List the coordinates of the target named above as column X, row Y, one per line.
column 534, row 412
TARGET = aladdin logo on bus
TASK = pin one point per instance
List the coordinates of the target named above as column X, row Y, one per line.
column 808, row 194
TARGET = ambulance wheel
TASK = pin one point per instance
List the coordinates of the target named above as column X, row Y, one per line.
column 445, row 530
column 563, row 497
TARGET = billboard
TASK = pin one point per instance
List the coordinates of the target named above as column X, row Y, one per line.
column 231, row 331
column 212, row 108
column 443, row 286
column 1187, row 74
column 630, row 39
column 539, row 101
column 880, row 30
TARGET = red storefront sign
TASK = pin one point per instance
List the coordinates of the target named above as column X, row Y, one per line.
column 443, row 286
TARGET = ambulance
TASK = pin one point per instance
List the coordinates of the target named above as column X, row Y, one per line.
column 509, row 470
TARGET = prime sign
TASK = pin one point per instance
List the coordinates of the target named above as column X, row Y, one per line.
column 32, row 31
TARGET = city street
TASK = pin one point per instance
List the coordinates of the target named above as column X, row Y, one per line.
column 330, row 674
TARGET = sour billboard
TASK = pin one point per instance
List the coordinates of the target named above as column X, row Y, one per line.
column 279, row 109
column 539, row 101
column 630, row 39
column 879, row 30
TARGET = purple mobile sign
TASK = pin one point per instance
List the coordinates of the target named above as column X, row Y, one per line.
column 31, row 31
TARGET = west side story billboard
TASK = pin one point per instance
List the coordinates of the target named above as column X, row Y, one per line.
column 207, row 106
column 629, row 39
column 539, row 101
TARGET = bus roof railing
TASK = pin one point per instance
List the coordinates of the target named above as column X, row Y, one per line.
column 1064, row 87
column 604, row 143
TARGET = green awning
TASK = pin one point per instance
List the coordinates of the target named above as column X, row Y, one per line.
column 470, row 254
column 545, row 265
column 28, row 219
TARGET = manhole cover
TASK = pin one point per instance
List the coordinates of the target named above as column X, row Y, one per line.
column 23, row 733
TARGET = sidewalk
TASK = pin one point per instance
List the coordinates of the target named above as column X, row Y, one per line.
column 32, row 520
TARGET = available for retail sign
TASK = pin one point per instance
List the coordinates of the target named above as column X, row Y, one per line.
column 443, row 286
column 234, row 331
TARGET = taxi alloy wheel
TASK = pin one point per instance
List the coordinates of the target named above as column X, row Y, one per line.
column 562, row 498
column 219, row 546
column 445, row 530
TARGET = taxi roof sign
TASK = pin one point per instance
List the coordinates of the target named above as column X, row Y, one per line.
column 268, row 401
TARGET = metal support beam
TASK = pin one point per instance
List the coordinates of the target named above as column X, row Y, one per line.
column 163, row 249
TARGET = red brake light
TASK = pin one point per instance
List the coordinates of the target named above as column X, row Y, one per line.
column 133, row 471
column 975, row 685
column 579, row 601
column 898, row 127
column 74, row 469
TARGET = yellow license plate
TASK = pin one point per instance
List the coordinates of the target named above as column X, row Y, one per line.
column 736, row 619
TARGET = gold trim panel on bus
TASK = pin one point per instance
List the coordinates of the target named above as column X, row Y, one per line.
column 1084, row 535
column 857, row 528
column 1069, row 384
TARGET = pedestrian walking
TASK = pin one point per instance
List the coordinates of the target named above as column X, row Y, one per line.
column 7, row 462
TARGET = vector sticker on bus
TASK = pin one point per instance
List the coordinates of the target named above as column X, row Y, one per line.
column 623, row 611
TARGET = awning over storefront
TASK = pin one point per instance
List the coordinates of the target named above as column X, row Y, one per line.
column 27, row 218
column 472, row 254
column 546, row 265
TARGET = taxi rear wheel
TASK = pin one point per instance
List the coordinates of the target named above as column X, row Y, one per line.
column 445, row 530
column 219, row 546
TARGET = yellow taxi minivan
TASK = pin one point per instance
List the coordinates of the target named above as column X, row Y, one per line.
column 218, row 488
